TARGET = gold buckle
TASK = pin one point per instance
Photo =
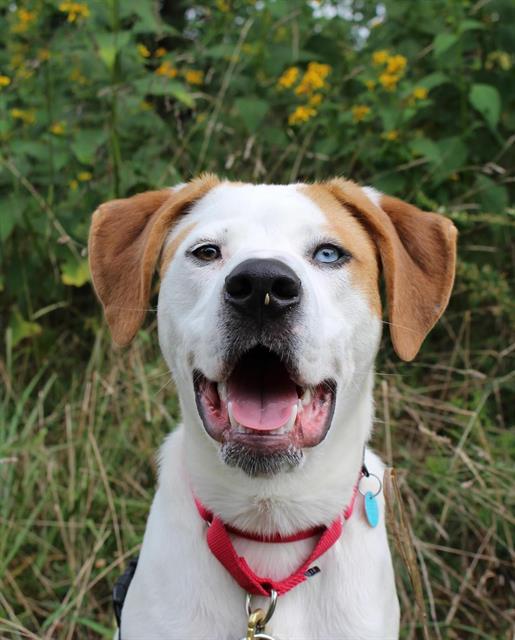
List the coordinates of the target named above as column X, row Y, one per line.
column 255, row 621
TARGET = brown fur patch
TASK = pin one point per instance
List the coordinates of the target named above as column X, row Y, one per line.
column 125, row 241
column 170, row 250
column 418, row 256
column 343, row 225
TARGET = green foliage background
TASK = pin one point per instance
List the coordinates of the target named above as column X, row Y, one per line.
column 107, row 98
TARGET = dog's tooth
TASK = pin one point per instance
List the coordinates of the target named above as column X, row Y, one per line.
column 291, row 421
column 222, row 391
column 233, row 422
column 306, row 397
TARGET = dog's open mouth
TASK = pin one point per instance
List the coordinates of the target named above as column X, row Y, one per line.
column 262, row 408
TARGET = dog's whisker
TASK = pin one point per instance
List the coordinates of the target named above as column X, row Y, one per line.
column 162, row 388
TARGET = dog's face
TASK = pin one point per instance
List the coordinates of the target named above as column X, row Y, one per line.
column 269, row 311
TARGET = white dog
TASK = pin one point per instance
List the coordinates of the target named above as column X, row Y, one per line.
column 269, row 318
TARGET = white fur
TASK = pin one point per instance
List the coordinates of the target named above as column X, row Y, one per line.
column 374, row 195
column 180, row 591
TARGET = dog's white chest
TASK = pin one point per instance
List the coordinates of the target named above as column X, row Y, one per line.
column 180, row 591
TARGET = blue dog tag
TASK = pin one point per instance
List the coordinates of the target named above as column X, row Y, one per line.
column 371, row 509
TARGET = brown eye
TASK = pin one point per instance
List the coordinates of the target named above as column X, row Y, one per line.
column 207, row 252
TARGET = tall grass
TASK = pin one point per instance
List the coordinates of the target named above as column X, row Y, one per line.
column 77, row 471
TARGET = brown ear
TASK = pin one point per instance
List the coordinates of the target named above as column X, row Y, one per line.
column 418, row 255
column 125, row 241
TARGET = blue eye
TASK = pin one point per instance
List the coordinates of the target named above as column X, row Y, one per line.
column 328, row 254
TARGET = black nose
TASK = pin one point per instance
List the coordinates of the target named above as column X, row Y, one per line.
column 259, row 287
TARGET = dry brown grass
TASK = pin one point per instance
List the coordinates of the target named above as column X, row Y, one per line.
column 77, row 477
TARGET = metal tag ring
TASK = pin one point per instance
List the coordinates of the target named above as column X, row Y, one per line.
column 379, row 483
column 269, row 613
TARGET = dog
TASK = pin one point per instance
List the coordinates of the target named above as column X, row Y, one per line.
column 269, row 318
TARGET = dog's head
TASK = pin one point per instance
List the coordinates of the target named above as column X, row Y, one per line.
column 269, row 308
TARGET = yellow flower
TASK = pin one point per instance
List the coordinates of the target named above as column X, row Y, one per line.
column 160, row 52
column 359, row 112
column 288, row 78
column 370, row 84
column 74, row 10
column 143, row 51
column 380, row 57
column 313, row 79
column 57, row 128
column 17, row 59
column 84, row 176
column 419, row 93
column 5, row 81
column 388, row 81
column 25, row 73
column 25, row 115
column 43, row 55
column 166, row 69
column 281, row 34
column 390, row 135
column 25, row 18
column 192, row 76
column 301, row 114
column 315, row 99
column 396, row 64
column 73, row 184
column 501, row 58
column 223, row 6
column 76, row 76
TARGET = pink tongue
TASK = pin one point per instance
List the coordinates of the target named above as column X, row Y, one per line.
column 262, row 398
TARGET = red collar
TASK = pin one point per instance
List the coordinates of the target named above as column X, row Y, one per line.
column 221, row 546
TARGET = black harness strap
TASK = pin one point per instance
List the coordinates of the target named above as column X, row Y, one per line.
column 121, row 586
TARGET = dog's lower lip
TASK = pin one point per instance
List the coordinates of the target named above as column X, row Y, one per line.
column 296, row 417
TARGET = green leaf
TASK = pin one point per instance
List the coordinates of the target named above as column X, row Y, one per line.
column 85, row 144
column 453, row 154
column 493, row 197
column 154, row 86
column 389, row 117
column 469, row 25
column 487, row 101
column 219, row 51
column 393, row 183
column 31, row 148
column 75, row 273
column 443, row 42
column 252, row 112
column 279, row 8
column 109, row 44
column 22, row 329
column 425, row 148
column 433, row 80
column 147, row 17
column 327, row 146
column 11, row 208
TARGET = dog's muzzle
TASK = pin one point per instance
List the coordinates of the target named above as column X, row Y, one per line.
column 259, row 409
